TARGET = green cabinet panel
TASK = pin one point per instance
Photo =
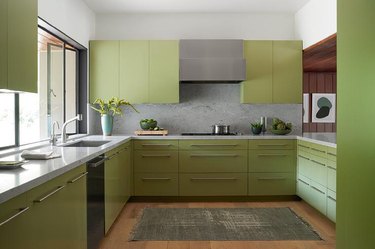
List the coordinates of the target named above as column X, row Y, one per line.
column 258, row 85
column 303, row 146
column 155, row 161
column 318, row 171
column 272, row 144
column 15, row 233
column 303, row 166
column 303, row 187
column 213, row 184
column 213, row 161
column 331, row 154
column 156, row 184
column 164, row 72
column 3, row 44
column 125, row 175
column 156, row 144
column 287, row 72
column 272, row 184
column 318, row 150
column 134, row 71
column 213, row 144
column 331, row 205
column 331, row 175
column 272, row 161
column 104, row 69
column 318, row 197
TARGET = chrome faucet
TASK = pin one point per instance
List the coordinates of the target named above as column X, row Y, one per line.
column 53, row 137
column 64, row 137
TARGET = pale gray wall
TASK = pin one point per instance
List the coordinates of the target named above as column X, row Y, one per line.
column 202, row 105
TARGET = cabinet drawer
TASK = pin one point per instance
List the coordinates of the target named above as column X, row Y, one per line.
column 153, row 184
column 155, row 161
column 331, row 153
column 318, row 197
column 318, row 170
column 303, row 145
column 331, row 175
column 331, row 205
column 272, row 161
column 303, row 167
column 272, row 184
column 12, row 210
column 213, row 161
column 156, row 144
column 218, row 184
column 213, row 144
column 271, row 144
column 303, row 187
column 318, row 150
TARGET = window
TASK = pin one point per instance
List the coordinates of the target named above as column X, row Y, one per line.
column 7, row 120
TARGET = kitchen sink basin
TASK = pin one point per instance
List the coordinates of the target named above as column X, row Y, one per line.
column 86, row 143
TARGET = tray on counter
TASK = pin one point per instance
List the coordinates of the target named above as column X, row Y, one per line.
column 151, row 133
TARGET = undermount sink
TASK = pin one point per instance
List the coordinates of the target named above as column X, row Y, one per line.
column 86, row 143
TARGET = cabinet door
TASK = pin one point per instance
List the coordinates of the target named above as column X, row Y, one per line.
column 272, row 184
column 272, row 161
column 23, row 45
column 125, row 172
column 287, row 72
column 258, row 85
column 164, row 72
column 104, row 69
column 3, row 44
column 134, row 71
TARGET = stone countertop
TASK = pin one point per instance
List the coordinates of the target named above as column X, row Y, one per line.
column 323, row 138
column 35, row 172
column 218, row 137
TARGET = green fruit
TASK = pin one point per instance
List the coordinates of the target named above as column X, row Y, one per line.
column 281, row 126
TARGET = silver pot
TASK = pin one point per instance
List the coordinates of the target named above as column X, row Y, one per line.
column 221, row 129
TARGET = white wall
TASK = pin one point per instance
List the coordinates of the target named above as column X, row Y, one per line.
column 72, row 17
column 199, row 26
column 315, row 21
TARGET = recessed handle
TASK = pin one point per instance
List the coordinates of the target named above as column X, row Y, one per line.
column 304, row 146
column 214, row 179
column 157, row 145
column 317, row 190
column 271, row 155
column 306, row 158
column 322, row 164
column 213, row 155
column 205, row 145
column 79, row 177
column 321, row 151
column 304, row 182
column 268, row 145
column 331, row 154
column 50, row 194
column 20, row 211
column 156, row 155
column 330, row 167
column 331, row 198
column 271, row 178
column 155, row 179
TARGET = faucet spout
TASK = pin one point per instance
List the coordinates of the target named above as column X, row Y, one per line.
column 64, row 137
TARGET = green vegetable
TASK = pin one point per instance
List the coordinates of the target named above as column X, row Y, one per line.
column 256, row 125
column 280, row 125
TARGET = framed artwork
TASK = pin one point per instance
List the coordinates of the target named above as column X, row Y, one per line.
column 323, row 108
column 306, row 107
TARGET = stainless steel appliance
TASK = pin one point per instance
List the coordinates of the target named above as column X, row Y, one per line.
column 220, row 129
column 95, row 202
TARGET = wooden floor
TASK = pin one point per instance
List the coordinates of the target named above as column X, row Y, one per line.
column 118, row 235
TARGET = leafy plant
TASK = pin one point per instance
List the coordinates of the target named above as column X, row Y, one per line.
column 111, row 107
column 256, row 125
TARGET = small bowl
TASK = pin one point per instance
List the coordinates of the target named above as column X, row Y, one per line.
column 280, row 132
column 148, row 125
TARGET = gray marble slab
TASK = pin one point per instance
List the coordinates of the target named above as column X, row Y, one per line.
column 323, row 138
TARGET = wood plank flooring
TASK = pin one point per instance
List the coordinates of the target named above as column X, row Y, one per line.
column 118, row 235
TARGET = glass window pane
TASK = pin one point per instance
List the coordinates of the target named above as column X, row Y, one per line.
column 7, row 120
column 70, row 93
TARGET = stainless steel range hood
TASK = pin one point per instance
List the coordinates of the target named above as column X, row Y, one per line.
column 212, row 61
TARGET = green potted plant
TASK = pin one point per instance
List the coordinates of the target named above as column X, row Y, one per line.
column 256, row 128
column 109, row 109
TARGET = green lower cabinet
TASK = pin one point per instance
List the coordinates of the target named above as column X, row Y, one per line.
column 155, row 161
column 213, row 144
column 213, row 184
column 125, row 172
column 303, row 166
column 156, row 184
column 15, row 218
column 263, row 184
column 272, row 144
column 331, row 175
column 272, row 161
column 156, row 145
column 331, row 205
column 303, row 187
column 318, row 171
column 318, row 197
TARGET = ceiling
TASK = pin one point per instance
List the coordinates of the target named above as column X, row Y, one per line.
column 196, row 6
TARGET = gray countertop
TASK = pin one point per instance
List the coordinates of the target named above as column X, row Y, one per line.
column 36, row 172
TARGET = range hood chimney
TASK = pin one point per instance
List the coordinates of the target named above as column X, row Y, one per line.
column 215, row 61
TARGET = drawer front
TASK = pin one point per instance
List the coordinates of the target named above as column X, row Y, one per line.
column 303, row 188
column 272, row 184
column 156, row 144
column 218, row 184
column 155, row 161
column 13, row 209
column 153, row 184
column 318, row 197
column 213, row 161
column 331, row 206
column 303, row 159
column 272, row 161
column 331, row 153
column 318, row 150
column 272, row 144
column 303, row 146
column 331, row 176
column 318, row 171
column 213, row 144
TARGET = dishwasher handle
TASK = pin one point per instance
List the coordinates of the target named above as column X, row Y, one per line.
column 95, row 164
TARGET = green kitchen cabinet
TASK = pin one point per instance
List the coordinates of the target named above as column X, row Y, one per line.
column 134, row 71
column 272, row 144
column 258, row 85
column 331, row 205
column 156, row 184
column 19, row 45
column 272, row 161
column 155, row 161
column 164, row 72
column 263, row 184
column 222, row 144
column 15, row 217
column 156, row 144
column 125, row 175
column 104, row 69
column 287, row 72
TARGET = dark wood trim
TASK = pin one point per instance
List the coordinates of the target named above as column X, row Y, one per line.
column 321, row 57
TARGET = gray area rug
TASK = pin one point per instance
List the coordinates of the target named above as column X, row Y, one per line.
column 221, row 224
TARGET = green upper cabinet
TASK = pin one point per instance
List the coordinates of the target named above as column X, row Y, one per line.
column 19, row 45
column 138, row 71
column 258, row 86
column 134, row 71
column 164, row 72
column 274, row 72
column 287, row 72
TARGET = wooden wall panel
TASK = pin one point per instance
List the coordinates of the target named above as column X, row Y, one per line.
column 319, row 82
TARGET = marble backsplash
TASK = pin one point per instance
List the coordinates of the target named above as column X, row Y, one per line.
column 202, row 105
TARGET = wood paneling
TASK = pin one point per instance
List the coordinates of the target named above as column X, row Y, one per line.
column 321, row 57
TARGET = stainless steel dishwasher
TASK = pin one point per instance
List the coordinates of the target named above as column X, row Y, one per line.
column 95, row 202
